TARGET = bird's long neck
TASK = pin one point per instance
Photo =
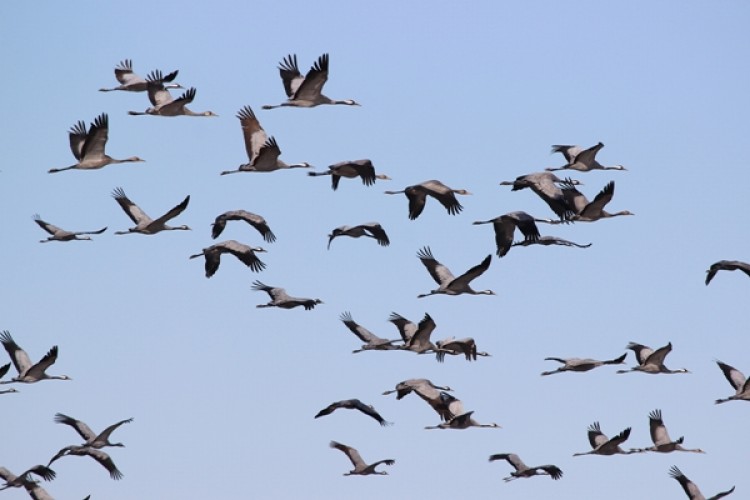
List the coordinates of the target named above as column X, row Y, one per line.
column 55, row 170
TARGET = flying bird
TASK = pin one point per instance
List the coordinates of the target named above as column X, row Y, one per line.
column 581, row 364
column 739, row 382
column 305, row 92
column 650, row 361
column 691, row 490
column 583, row 160
column 131, row 82
column 92, row 440
column 87, row 451
column 245, row 253
column 545, row 185
column 523, row 470
column 17, row 481
column 590, row 211
column 602, row 445
column 448, row 284
column 453, row 346
column 418, row 193
column 419, row 341
column 660, row 437
column 144, row 223
column 164, row 105
column 353, row 404
column 28, row 373
column 88, row 147
column 61, row 234
column 370, row 229
column 549, row 240
column 726, row 265
column 360, row 467
column 462, row 421
column 255, row 220
column 279, row 298
column 372, row 341
column 505, row 227
column 363, row 169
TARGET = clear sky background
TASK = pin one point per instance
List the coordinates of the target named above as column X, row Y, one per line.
column 223, row 394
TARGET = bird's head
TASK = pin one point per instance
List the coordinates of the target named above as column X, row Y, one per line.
column 209, row 113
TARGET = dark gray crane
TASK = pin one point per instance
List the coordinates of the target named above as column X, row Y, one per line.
column 353, row 404
column 449, row 284
column 726, row 265
column 255, row 220
column 29, row 373
column 306, row 92
column 88, row 147
column 523, row 470
column 369, row 229
column 88, row 451
column 739, row 382
column 144, row 223
column 453, row 346
column 131, row 82
column 279, row 298
column 602, row 445
column 17, row 481
column 545, row 185
column 582, row 364
column 582, row 160
column 363, row 169
column 691, row 490
column 650, row 361
column 245, row 254
column 59, row 234
column 418, row 193
column 360, row 467
column 590, row 211
column 660, row 437
column 444, row 404
column 505, row 227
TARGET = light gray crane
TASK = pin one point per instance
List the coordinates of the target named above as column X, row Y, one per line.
column 262, row 151
column 650, row 361
column 92, row 440
column 363, row 169
column 660, row 437
column 444, row 404
column 453, row 346
column 360, row 467
column 131, row 82
column 372, row 341
column 726, row 265
column 245, row 253
column 369, row 229
column 17, row 481
column 406, row 328
column 418, row 193
column 255, row 220
column 462, row 421
column 602, row 445
column 523, row 470
column 582, row 364
column 164, row 105
column 586, row 211
column 549, row 240
column 144, row 223
column 306, row 92
column 59, row 234
column 690, row 488
column 420, row 342
column 505, row 227
column 28, row 373
column 545, row 185
column 353, row 404
column 581, row 160
column 88, row 147
column 88, row 451
column 739, row 382
column 448, row 284
column 279, row 298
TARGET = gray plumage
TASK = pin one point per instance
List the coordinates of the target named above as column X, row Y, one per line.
column 164, row 105
column 549, row 240
column 59, row 234
column 462, row 421
column 255, row 220
column 353, row 404
column 420, row 342
column 581, row 364
column 649, row 360
column 87, row 451
column 737, row 379
column 726, row 265
column 360, row 467
column 690, row 488
column 279, row 298
column 581, row 160
column 245, row 254
column 505, row 227
column 144, row 223
column 93, row 440
column 131, row 82
column 372, row 341
column 363, row 169
column 545, row 185
column 449, row 284
column 17, row 481
column 370, row 230
column 602, row 445
column 660, row 437
column 590, row 211
column 455, row 347
column 28, row 373
column 523, row 470
column 418, row 193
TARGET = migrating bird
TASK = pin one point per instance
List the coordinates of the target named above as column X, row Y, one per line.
column 419, row 341
column 353, row 404
column 144, row 223
column 131, row 82
column 726, row 265
column 582, row 364
column 602, row 445
column 545, row 185
column 523, row 470
column 305, row 92
column 549, row 240
column 406, row 328
column 650, row 361
column 360, row 467
column 453, row 346
column 660, row 437
column 418, row 193
column 443, row 403
column 61, row 234
column 91, row 440
column 583, row 160
column 88, row 147
column 737, row 379
column 351, row 170
column 262, row 151
column 88, row 451
column 245, row 253
column 13, row 481
column 279, row 298
column 164, row 105
column 369, row 229
column 255, row 220
column 448, row 284
column 586, row 211
column 29, row 373
column 372, row 341
column 462, row 421
column 691, row 490
column 505, row 227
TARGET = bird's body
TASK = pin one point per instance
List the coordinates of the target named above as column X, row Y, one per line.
column 582, row 364
column 737, row 379
column 131, row 82
column 418, row 193
column 59, row 234
column 505, row 227
column 144, row 223
column 353, row 404
column 523, row 470
column 690, row 488
column 17, row 481
column 370, row 230
column 245, row 253
column 88, row 147
column 306, row 92
column 279, row 298
column 406, row 328
column 448, row 284
column 581, row 160
column 443, row 403
column 602, row 445
column 545, row 185
column 372, row 341
column 363, row 169
column 88, row 451
column 453, row 346
column 660, row 437
column 726, row 265
column 650, row 361
column 29, row 373
column 462, row 421
column 549, row 240
column 164, row 105
column 360, row 467
column 255, row 220
column 590, row 211
column 91, row 440
column 420, row 342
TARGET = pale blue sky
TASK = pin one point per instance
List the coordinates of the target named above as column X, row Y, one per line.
column 224, row 394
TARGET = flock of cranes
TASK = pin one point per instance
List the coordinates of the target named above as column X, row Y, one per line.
column 561, row 195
